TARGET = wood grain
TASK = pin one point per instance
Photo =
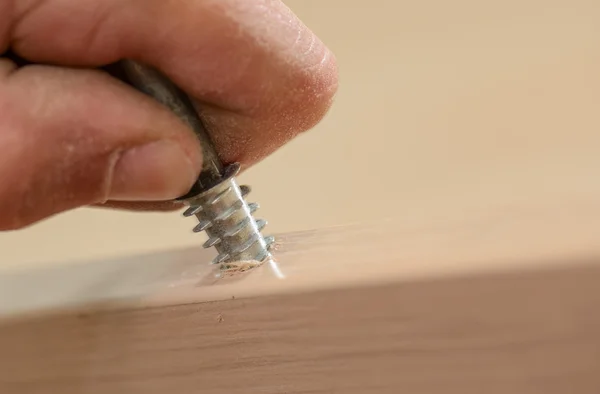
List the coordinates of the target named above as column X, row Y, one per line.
column 503, row 301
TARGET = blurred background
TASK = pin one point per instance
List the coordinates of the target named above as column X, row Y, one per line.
column 444, row 108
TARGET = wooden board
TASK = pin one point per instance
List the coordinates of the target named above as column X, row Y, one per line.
column 503, row 301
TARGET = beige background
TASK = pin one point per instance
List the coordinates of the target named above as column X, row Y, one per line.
column 444, row 107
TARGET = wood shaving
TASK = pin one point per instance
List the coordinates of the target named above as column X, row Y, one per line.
column 230, row 269
column 275, row 246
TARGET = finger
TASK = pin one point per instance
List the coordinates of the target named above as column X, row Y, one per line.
column 72, row 138
column 158, row 206
column 261, row 75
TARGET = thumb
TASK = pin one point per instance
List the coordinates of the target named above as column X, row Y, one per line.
column 76, row 137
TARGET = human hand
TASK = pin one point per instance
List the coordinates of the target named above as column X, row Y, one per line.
column 73, row 136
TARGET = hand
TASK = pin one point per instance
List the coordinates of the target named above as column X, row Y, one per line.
column 72, row 136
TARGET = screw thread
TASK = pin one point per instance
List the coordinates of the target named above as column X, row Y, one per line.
column 227, row 219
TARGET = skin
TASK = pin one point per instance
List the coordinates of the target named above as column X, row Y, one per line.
column 72, row 136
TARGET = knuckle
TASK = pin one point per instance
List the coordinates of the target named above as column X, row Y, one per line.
column 42, row 170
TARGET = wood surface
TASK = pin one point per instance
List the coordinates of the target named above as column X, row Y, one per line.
column 502, row 301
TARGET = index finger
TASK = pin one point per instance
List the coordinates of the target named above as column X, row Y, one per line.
column 260, row 75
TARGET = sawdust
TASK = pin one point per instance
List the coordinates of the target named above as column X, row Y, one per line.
column 275, row 246
column 239, row 267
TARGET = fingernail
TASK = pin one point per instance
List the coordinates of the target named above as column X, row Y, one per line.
column 153, row 172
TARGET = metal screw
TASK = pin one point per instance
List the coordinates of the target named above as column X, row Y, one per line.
column 227, row 219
